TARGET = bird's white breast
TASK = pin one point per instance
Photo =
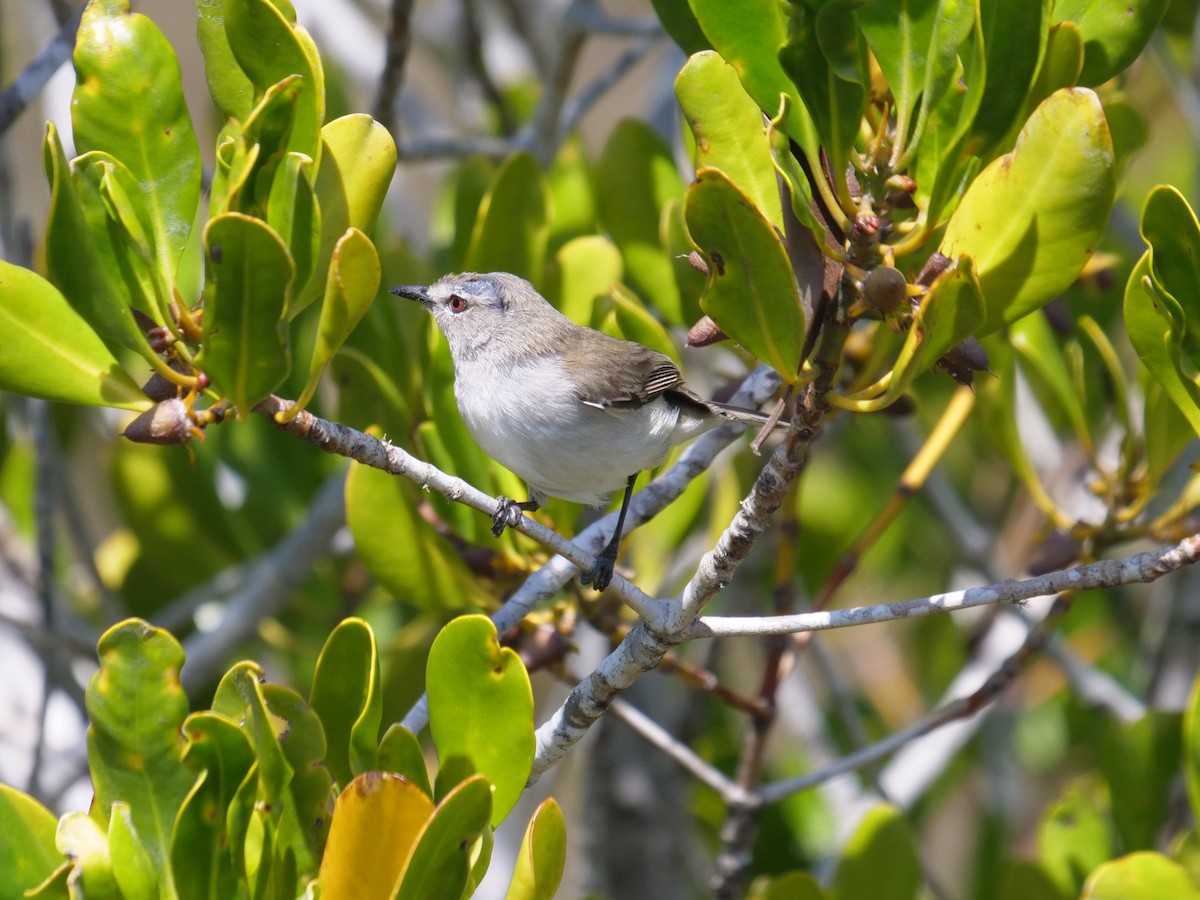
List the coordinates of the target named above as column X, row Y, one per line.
column 527, row 417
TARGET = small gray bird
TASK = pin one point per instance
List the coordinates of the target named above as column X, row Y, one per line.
column 575, row 412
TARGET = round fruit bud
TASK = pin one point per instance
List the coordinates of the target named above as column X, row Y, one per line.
column 167, row 422
column 885, row 289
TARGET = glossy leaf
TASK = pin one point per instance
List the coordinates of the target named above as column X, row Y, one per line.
column 751, row 292
column 27, row 850
column 584, row 268
column 899, row 33
column 358, row 159
column 219, row 754
column 1141, row 762
column 128, row 101
column 792, row 886
column 345, row 696
column 81, row 839
column 245, row 348
column 50, row 351
column 135, row 743
column 253, row 25
column 133, row 869
column 635, row 178
column 376, row 823
column 1061, row 63
column 1073, row 839
column 79, row 264
column 511, row 228
column 952, row 310
column 400, row 752
column 229, row 86
column 350, row 288
column 1157, row 320
column 826, row 59
column 680, row 23
column 293, row 212
column 1033, row 217
column 481, row 707
column 290, row 832
column 748, row 35
column 728, row 127
column 440, row 862
column 880, row 860
column 1144, row 874
column 1040, row 353
column 1014, row 39
column 542, row 856
column 411, row 560
column 1114, row 32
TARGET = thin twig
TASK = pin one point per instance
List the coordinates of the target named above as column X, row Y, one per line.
column 395, row 55
column 1142, row 568
column 18, row 95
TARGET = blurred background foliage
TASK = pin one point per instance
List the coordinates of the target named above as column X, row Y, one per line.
column 1077, row 762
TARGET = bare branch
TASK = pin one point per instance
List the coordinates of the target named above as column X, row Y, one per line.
column 392, row 77
column 1142, row 568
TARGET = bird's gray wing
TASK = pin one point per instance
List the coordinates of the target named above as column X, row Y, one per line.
column 625, row 375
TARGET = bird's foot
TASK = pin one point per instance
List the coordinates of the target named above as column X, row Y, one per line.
column 600, row 574
column 507, row 515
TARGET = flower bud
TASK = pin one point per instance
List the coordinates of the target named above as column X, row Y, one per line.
column 166, row 422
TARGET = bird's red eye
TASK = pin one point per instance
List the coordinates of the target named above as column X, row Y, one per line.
column 457, row 304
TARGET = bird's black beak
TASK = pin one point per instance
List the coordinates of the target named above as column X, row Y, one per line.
column 413, row 292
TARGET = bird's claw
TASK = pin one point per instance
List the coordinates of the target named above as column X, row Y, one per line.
column 600, row 575
column 507, row 515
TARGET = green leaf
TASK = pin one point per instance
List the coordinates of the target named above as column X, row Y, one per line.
column 542, row 856
column 50, row 351
column 1033, row 217
column 1040, row 352
column 792, row 886
column 129, row 102
column 358, row 159
column 634, row 323
column 440, row 862
column 481, row 707
column 400, row 752
column 88, row 276
column 268, row 47
column 135, row 743
column 219, row 754
column 350, row 289
column 635, row 178
column 28, row 854
column 1073, row 839
column 880, row 859
column 899, row 33
column 748, row 35
column 376, row 823
column 293, row 212
column 230, row 87
column 1014, row 41
column 81, row 839
column 132, row 867
column 345, row 696
column 1061, row 63
column 1158, row 323
column 1137, row 875
column 728, row 127
column 584, row 268
column 680, row 23
column 826, row 59
column 1141, row 762
column 245, row 346
column 1114, row 32
column 276, row 727
column 411, row 560
column 751, row 292
column 1191, row 746
column 511, row 227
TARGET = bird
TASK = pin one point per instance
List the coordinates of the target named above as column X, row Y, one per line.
column 576, row 413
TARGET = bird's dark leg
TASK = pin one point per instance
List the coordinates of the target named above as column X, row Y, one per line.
column 508, row 513
column 601, row 572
